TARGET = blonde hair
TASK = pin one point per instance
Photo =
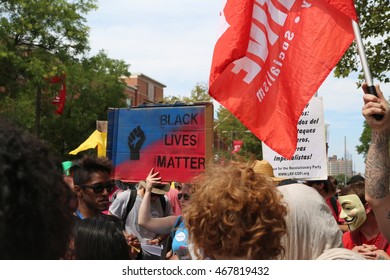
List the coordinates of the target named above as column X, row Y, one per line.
column 236, row 213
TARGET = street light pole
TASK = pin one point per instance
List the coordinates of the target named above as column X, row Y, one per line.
column 345, row 160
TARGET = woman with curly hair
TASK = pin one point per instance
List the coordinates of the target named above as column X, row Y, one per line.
column 235, row 213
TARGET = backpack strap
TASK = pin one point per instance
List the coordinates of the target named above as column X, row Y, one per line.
column 115, row 194
column 178, row 222
column 176, row 226
column 163, row 203
column 130, row 204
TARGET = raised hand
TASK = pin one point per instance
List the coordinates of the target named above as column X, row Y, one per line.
column 376, row 106
column 152, row 179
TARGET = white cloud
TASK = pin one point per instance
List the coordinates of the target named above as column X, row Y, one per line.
column 170, row 41
column 342, row 95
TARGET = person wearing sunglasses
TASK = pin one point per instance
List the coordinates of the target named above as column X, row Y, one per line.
column 173, row 225
column 92, row 183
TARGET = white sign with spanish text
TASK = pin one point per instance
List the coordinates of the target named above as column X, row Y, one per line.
column 309, row 160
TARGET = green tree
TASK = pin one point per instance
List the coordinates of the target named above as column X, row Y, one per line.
column 375, row 30
column 341, row 179
column 93, row 87
column 228, row 128
column 38, row 40
column 198, row 94
column 36, row 36
column 172, row 99
column 365, row 139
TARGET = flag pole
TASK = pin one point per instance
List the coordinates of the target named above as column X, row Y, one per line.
column 363, row 60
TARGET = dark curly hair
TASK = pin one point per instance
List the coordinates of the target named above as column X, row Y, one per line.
column 35, row 218
column 235, row 213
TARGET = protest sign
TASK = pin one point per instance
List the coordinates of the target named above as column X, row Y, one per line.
column 174, row 140
column 309, row 160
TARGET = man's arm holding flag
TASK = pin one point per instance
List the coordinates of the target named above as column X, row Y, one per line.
column 378, row 161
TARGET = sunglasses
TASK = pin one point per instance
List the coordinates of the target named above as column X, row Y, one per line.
column 99, row 187
column 186, row 196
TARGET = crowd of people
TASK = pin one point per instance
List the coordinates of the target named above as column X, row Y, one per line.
column 238, row 210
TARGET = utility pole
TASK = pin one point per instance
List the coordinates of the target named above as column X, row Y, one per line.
column 345, row 160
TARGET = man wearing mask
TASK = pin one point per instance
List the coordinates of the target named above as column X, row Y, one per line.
column 364, row 235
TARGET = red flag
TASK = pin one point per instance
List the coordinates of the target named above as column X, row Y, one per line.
column 272, row 56
column 237, row 144
column 59, row 100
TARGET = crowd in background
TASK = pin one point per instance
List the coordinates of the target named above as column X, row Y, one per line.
column 238, row 210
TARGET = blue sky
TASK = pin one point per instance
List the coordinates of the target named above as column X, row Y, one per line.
column 172, row 41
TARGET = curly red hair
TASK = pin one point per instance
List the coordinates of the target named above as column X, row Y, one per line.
column 235, row 213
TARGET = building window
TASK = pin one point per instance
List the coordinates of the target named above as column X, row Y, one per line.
column 129, row 102
column 151, row 92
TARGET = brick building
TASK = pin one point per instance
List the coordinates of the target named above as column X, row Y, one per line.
column 141, row 88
